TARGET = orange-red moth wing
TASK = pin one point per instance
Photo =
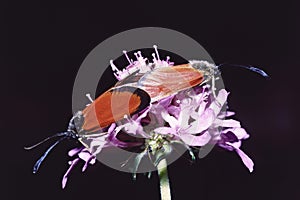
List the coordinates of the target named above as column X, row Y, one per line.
column 166, row 81
column 113, row 105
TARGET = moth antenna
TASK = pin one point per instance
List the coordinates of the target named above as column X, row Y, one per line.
column 251, row 68
column 45, row 140
column 42, row 158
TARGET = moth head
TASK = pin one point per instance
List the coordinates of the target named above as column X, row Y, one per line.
column 208, row 69
column 210, row 72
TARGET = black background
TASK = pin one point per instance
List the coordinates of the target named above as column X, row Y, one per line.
column 44, row 45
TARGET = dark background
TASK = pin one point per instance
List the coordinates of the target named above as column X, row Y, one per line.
column 44, row 45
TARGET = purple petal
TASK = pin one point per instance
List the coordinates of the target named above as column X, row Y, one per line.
column 192, row 140
column 197, row 90
column 64, row 182
column 75, row 151
column 170, row 119
column 227, row 123
column 155, row 118
column 184, row 116
column 143, row 115
column 85, row 166
column 202, row 123
column 139, row 116
column 134, row 128
column 165, row 130
column 179, row 97
column 131, row 128
column 115, row 141
column 226, row 114
column 200, row 98
column 166, row 101
column 174, row 110
column 226, row 146
column 185, row 103
column 236, row 145
column 219, row 102
column 98, row 142
column 65, row 177
column 229, row 137
column 246, row 160
column 229, row 113
column 202, row 107
column 111, row 128
column 240, row 133
column 91, row 160
column 84, row 156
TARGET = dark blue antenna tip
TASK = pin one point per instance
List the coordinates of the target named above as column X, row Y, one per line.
column 251, row 68
column 259, row 71
column 42, row 158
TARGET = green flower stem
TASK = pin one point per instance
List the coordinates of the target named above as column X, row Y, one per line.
column 165, row 190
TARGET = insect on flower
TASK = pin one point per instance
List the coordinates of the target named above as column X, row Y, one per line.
column 139, row 86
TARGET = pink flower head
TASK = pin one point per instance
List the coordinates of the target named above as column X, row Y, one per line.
column 82, row 154
column 193, row 117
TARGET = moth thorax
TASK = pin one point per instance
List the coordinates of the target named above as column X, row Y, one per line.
column 209, row 69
